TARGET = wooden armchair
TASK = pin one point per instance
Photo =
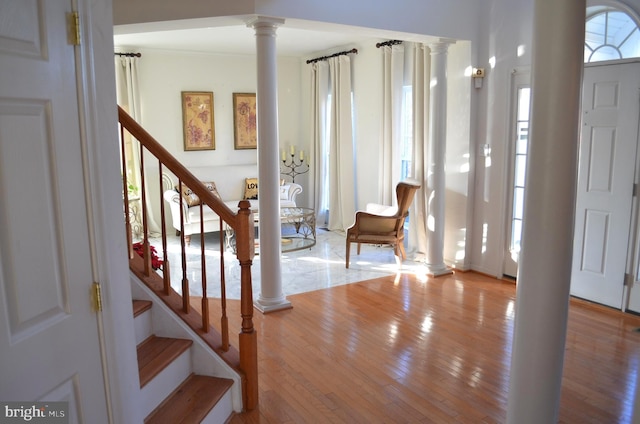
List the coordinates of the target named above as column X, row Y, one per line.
column 384, row 228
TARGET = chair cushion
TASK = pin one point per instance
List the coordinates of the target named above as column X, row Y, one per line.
column 378, row 209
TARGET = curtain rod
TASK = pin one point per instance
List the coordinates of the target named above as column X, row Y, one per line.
column 330, row 56
column 129, row 54
column 388, row 43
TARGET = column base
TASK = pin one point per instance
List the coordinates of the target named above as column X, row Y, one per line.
column 438, row 270
column 270, row 305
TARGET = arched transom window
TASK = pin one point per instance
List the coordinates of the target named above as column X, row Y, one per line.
column 611, row 34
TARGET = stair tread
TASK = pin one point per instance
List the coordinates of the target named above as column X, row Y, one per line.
column 191, row 401
column 140, row 306
column 155, row 353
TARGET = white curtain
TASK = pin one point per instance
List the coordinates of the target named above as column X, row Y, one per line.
column 128, row 98
column 319, row 97
column 391, row 152
column 332, row 135
column 342, row 195
column 419, row 219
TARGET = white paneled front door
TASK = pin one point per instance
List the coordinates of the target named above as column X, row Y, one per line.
column 49, row 341
column 605, row 182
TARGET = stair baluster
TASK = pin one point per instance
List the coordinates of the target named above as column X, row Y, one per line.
column 243, row 356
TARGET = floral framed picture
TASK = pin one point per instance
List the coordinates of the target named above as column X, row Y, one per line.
column 197, row 120
column 244, row 121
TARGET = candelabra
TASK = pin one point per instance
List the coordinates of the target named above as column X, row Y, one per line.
column 294, row 167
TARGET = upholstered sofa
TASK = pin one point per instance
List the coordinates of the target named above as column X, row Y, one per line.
column 232, row 183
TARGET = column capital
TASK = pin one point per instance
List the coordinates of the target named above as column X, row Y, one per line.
column 440, row 45
column 264, row 22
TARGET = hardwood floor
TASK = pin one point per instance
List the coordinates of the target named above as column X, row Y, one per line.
column 394, row 350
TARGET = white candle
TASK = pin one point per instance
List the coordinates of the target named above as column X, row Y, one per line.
column 293, row 150
column 301, row 154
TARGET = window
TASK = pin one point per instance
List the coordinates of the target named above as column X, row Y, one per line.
column 406, row 132
column 521, row 144
column 610, row 34
column 326, row 149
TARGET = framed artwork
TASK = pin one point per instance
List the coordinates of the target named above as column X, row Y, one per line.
column 197, row 120
column 244, row 121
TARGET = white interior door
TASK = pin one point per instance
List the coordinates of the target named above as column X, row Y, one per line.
column 605, row 182
column 49, row 341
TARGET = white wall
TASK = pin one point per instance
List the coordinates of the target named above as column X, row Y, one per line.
column 163, row 75
column 459, row 179
column 456, row 19
column 509, row 24
column 128, row 12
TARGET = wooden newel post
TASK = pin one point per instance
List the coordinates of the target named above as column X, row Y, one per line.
column 248, row 339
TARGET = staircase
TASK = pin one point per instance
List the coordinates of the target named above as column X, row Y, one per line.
column 171, row 390
column 178, row 348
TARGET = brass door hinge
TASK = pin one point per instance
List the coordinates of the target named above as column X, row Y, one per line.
column 629, row 280
column 96, row 297
column 74, row 28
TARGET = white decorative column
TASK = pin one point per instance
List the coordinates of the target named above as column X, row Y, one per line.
column 436, row 171
column 544, row 275
column 271, row 297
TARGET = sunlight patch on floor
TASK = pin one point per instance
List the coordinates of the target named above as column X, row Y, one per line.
column 321, row 266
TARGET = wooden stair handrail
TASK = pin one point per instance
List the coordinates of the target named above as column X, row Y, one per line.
column 178, row 169
column 243, row 225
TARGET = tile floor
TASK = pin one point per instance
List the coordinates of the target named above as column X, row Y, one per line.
column 315, row 268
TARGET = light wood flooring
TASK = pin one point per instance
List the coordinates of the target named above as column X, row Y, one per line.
column 399, row 350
